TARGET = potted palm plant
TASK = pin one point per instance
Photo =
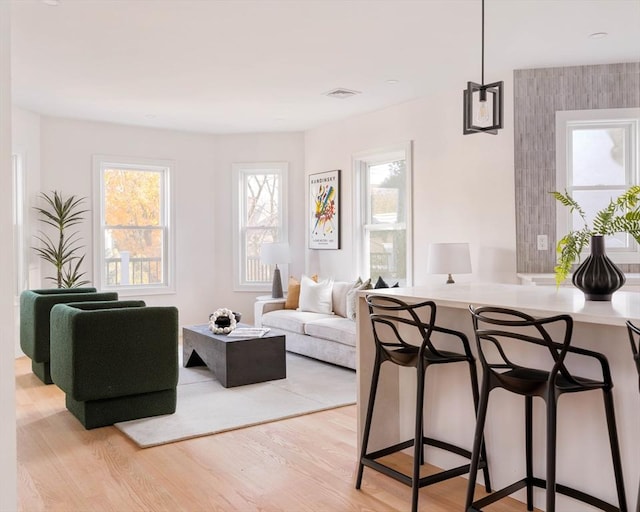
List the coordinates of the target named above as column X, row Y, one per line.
column 62, row 253
column 597, row 276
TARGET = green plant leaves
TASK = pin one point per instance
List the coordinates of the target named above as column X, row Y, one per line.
column 569, row 248
column 621, row 215
column 71, row 275
column 571, row 203
column 62, row 214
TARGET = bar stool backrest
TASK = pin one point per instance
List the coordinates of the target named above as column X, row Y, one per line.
column 387, row 314
column 493, row 325
column 634, row 338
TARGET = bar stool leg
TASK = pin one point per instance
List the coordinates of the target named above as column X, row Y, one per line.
column 375, row 376
column 552, row 416
column 418, row 444
column 478, row 441
column 474, row 390
column 615, row 448
column 528, row 414
column 422, row 459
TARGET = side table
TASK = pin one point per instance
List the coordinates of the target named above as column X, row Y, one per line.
column 235, row 361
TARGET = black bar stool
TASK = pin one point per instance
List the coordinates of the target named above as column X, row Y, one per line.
column 493, row 325
column 388, row 316
column 634, row 332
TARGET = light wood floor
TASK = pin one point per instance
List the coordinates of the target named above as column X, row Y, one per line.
column 301, row 464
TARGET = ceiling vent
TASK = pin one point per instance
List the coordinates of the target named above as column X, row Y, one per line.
column 341, row 93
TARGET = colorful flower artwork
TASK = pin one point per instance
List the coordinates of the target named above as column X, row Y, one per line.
column 324, row 189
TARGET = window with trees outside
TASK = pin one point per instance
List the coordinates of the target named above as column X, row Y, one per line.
column 597, row 160
column 260, row 217
column 384, row 214
column 134, row 225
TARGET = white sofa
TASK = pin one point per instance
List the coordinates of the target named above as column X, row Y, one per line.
column 330, row 338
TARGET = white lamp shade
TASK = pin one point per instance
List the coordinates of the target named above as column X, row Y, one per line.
column 448, row 258
column 273, row 254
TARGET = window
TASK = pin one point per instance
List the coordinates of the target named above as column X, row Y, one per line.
column 20, row 253
column 597, row 160
column 260, row 217
column 384, row 214
column 134, row 241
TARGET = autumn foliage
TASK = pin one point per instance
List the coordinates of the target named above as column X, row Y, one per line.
column 133, row 216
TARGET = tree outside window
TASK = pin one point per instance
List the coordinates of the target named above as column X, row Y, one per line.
column 133, row 250
column 387, row 220
column 262, row 222
column 133, row 228
column 384, row 213
column 260, row 217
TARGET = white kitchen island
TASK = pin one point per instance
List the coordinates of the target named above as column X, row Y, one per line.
column 584, row 459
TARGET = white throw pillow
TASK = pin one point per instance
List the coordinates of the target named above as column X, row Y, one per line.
column 339, row 296
column 352, row 298
column 315, row 297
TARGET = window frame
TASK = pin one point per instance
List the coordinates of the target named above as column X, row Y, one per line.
column 240, row 171
column 570, row 120
column 361, row 163
column 165, row 167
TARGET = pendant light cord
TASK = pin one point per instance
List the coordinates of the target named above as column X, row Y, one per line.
column 482, row 42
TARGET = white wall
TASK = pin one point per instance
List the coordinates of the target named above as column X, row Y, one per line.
column 462, row 188
column 202, row 197
column 8, row 471
column 463, row 185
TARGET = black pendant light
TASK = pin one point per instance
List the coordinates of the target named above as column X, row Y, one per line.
column 483, row 104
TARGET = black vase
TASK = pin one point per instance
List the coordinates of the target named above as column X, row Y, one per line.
column 597, row 276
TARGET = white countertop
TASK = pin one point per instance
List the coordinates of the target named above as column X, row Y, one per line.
column 535, row 300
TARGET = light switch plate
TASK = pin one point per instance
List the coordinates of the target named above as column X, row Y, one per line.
column 543, row 242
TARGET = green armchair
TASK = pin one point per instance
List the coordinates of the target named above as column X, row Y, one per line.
column 115, row 361
column 35, row 307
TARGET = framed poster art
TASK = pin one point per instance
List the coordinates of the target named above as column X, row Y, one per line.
column 324, row 210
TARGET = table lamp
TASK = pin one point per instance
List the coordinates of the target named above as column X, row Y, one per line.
column 449, row 258
column 272, row 254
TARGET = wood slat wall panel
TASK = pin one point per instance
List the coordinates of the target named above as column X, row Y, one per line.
column 537, row 94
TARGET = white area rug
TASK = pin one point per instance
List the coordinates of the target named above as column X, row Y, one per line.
column 205, row 407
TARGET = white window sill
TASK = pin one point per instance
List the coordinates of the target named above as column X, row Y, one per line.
column 139, row 292
column 632, row 283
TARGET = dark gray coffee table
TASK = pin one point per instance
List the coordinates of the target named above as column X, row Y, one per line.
column 235, row 361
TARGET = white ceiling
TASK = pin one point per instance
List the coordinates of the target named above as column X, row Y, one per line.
column 233, row 66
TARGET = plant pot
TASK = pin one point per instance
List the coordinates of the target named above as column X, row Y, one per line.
column 597, row 276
